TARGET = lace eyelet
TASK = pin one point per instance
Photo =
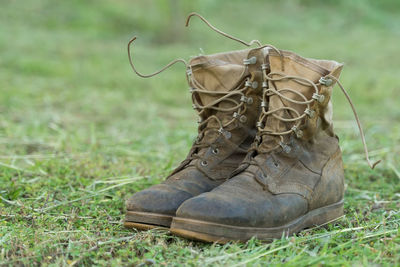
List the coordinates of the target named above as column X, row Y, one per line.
column 215, row 151
column 243, row 119
column 254, row 85
column 204, row 163
column 276, row 164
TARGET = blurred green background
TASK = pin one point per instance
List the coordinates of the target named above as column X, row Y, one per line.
column 75, row 120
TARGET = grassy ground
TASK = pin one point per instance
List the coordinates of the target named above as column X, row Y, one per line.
column 79, row 132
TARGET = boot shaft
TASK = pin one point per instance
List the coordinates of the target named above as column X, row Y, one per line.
column 295, row 128
column 226, row 85
column 226, row 90
column 299, row 99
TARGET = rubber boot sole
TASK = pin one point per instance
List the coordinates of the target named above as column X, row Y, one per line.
column 222, row 233
column 146, row 220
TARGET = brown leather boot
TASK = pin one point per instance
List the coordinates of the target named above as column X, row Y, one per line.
column 293, row 177
column 226, row 91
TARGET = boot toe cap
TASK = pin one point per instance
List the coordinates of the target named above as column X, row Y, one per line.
column 157, row 199
column 165, row 198
column 226, row 207
column 212, row 208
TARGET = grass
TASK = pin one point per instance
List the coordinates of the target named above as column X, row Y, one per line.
column 79, row 132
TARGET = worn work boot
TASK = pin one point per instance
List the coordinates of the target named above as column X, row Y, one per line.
column 293, row 177
column 226, row 92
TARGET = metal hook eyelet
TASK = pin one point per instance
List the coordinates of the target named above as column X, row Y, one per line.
column 264, row 104
column 249, row 61
column 319, row 98
column 247, row 100
column 297, row 131
column 264, row 66
column 325, row 81
column 260, row 124
column 309, row 112
column 253, row 85
column 286, row 148
column 264, row 85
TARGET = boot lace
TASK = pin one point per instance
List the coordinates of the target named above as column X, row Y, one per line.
column 272, row 77
column 241, row 108
column 238, row 99
column 238, row 107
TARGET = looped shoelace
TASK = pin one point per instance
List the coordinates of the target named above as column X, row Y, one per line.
column 307, row 112
column 239, row 108
column 225, row 96
column 265, row 113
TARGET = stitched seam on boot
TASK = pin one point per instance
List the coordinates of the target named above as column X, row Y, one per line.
column 335, row 154
column 326, row 163
column 305, row 166
column 290, row 188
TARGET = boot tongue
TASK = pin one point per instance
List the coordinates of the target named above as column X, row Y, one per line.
column 294, row 65
column 217, row 73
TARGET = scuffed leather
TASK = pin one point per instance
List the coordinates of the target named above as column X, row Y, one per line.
column 241, row 201
column 166, row 197
column 278, row 186
column 220, row 73
column 330, row 188
column 301, row 170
